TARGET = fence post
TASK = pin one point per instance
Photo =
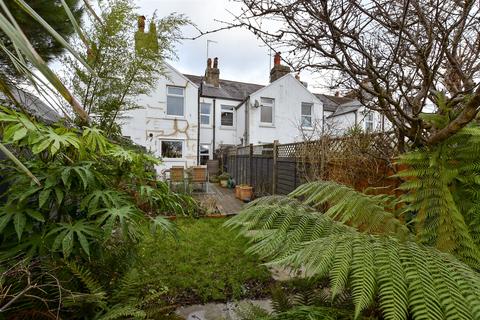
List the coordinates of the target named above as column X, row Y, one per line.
column 274, row 167
column 235, row 161
column 250, row 169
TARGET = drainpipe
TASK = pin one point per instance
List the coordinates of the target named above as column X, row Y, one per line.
column 214, row 125
column 198, row 120
column 247, row 122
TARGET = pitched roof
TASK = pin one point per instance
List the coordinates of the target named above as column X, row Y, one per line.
column 32, row 104
column 231, row 90
column 331, row 103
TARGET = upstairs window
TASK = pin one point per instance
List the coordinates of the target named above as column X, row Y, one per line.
column 369, row 121
column 266, row 110
column 205, row 113
column 226, row 118
column 171, row 149
column 175, row 101
column 306, row 117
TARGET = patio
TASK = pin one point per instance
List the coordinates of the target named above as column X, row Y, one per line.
column 224, row 199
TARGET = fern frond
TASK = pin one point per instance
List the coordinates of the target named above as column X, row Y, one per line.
column 350, row 206
column 408, row 278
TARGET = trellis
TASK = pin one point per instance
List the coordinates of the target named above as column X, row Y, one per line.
column 280, row 168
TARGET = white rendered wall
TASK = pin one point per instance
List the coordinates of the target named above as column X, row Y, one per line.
column 289, row 94
column 153, row 119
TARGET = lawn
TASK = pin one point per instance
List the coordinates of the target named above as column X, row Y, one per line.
column 206, row 263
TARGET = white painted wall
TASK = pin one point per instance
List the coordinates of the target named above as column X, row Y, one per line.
column 223, row 135
column 289, row 94
column 153, row 120
column 340, row 124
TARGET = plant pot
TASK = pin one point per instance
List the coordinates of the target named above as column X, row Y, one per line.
column 246, row 193
column 237, row 192
column 224, row 183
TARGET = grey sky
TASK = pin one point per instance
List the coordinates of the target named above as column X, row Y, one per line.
column 241, row 56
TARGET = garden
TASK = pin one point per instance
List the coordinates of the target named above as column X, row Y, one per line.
column 89, row 231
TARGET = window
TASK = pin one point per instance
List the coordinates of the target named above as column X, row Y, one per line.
column 266, row 110
column 306, row 115
column 175, row 101
column 172, row 149
column 369, row 122
column 205, row 113
column 226, row 118
column 204, row 153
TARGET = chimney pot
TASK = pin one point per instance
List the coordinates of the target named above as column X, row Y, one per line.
column 141, row 23
column 337, row 94
column 297, row 76
column 278, row 70
column 209, row 63
column 215, row 63
column 277, row 59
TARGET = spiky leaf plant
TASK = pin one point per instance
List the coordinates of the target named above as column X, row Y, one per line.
column 416, row 255
column 94, row 200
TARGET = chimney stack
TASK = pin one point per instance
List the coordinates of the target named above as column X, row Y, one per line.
column 278, row 69
column 212, row 74
column 146, row 41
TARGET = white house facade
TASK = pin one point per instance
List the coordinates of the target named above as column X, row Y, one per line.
column 167, row 123
column 285, row 111
column 186, row 118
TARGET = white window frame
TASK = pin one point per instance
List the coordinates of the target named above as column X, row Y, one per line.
column 263, row 104
column 209, row 124
column 175, row 95
column 369, row 120
column 172, row 140
column 210, row 151
column 302, row 116
column 232, row 111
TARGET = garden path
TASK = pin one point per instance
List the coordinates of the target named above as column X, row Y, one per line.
column 219, row 311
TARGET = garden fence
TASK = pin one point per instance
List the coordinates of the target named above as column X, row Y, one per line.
column 280, row 168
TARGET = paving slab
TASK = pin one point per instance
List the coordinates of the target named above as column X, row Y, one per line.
column 219, row 311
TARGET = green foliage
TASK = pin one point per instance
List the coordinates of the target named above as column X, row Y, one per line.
column 86, row 214
column 126, row 63
column 43, row 42
column 205, row 263
column 417, row 256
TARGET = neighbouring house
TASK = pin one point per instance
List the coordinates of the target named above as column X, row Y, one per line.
column 343, row 114
column 218, row 115
column 284, row 110
column 31, row 104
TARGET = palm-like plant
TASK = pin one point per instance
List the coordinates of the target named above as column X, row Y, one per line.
column 417, row 255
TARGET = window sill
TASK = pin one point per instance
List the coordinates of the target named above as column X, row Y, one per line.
column 308, row 128
column 227, row 127
column 174, row 117
column 267, row 125
column 206, row 126
column 172, row 159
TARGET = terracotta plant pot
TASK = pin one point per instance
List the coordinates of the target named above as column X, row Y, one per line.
column 246, row 193
column 224, row 183
column 237, row 192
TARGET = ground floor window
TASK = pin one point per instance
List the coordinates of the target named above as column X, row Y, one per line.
column 204, row 153
column 171, row 149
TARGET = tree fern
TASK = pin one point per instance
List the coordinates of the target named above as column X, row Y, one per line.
column 400, row 272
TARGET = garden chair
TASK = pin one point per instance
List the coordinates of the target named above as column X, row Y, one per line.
column 177, row 175
column 200, row 176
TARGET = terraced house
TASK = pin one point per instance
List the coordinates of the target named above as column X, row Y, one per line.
column 186, row 118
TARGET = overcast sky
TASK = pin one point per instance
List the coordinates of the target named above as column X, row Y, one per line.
column 241, row 56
